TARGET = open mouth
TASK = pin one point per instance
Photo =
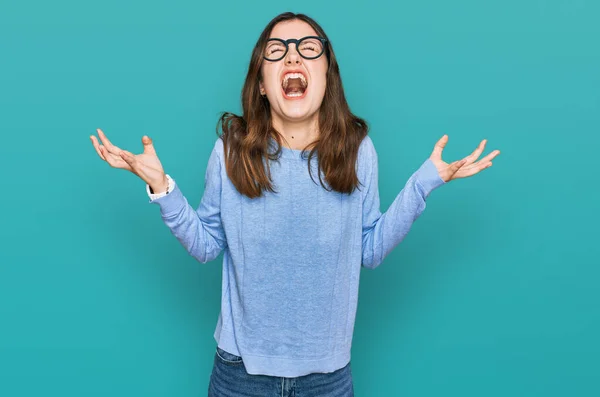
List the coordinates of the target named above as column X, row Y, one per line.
column 294, row 85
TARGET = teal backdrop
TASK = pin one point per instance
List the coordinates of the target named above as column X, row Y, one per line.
column 494, row 292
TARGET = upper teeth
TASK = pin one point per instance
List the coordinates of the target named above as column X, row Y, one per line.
column 293, row 76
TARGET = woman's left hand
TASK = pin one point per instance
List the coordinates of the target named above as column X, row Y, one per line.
column 460, row 168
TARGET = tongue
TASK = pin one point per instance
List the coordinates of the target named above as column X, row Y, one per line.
column 294, row 85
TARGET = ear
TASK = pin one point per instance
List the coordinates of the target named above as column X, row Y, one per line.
column 262, row 88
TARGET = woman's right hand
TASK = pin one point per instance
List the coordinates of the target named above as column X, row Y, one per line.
column 146, row 165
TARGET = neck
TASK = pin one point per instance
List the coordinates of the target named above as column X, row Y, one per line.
column 296, row 134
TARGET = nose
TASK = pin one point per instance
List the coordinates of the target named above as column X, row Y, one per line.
column 292, row 56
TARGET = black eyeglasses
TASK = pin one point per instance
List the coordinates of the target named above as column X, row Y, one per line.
column 309, row 47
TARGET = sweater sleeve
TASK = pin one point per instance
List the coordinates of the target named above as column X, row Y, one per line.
column 200, row 231
column 382, row 232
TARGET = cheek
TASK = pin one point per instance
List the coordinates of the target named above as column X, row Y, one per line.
column 320, row 81
column 320, row 75
column 269, row 78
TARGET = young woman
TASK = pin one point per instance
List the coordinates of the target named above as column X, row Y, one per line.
column 291, row 198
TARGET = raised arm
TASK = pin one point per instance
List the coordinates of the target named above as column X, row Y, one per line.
column 200, row 231
column 382, row 232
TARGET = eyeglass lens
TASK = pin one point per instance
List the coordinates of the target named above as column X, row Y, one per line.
column 308, row 48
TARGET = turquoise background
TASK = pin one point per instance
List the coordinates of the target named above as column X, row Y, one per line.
column 493, row 293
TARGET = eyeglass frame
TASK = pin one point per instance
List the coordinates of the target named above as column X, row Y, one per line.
column 287, row 42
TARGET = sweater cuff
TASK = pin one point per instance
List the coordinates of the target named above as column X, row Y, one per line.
column 170, row 203
column 154, row 196
column 428, row 177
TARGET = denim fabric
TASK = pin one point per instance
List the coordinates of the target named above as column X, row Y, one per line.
column 230, row 379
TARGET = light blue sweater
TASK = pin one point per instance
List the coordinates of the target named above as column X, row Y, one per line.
column 292, row 259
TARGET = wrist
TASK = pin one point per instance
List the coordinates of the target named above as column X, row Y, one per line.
column 161, row 187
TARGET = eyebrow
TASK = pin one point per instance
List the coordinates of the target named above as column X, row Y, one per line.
column 274, row 43
column 312, row 37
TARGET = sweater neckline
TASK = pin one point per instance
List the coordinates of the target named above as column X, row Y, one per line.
column 287, row 152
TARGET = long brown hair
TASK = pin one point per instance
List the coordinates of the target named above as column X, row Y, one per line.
column 246, row 138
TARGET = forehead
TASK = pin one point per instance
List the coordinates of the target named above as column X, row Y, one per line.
column 292, row 30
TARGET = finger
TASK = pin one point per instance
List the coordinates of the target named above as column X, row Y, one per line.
column 477, row 152
column 472, row 169
column 455, row 166
column 439, row 147
column 128, row 158
column 490, row 156
column 137, row 167
column 107, row 144
column 111, row 159
column 481, row 164
column 148, row 145
column 114, row 161
column 97, row 147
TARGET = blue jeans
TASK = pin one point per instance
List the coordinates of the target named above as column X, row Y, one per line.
column 230, row 379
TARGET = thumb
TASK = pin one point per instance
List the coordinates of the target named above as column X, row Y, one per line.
column 439, row 147
column 148, row 145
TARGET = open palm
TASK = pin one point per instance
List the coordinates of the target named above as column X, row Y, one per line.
column 461, row 168
column 145, row 165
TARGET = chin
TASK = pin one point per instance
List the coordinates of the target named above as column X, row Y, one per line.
column 297, row 112
column 295, row 109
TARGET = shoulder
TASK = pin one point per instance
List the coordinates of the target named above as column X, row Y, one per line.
column 367, row 147
column 215, row 159
column 367, row 154
column 216, row 155
column 218, row 147
column 366, row 163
